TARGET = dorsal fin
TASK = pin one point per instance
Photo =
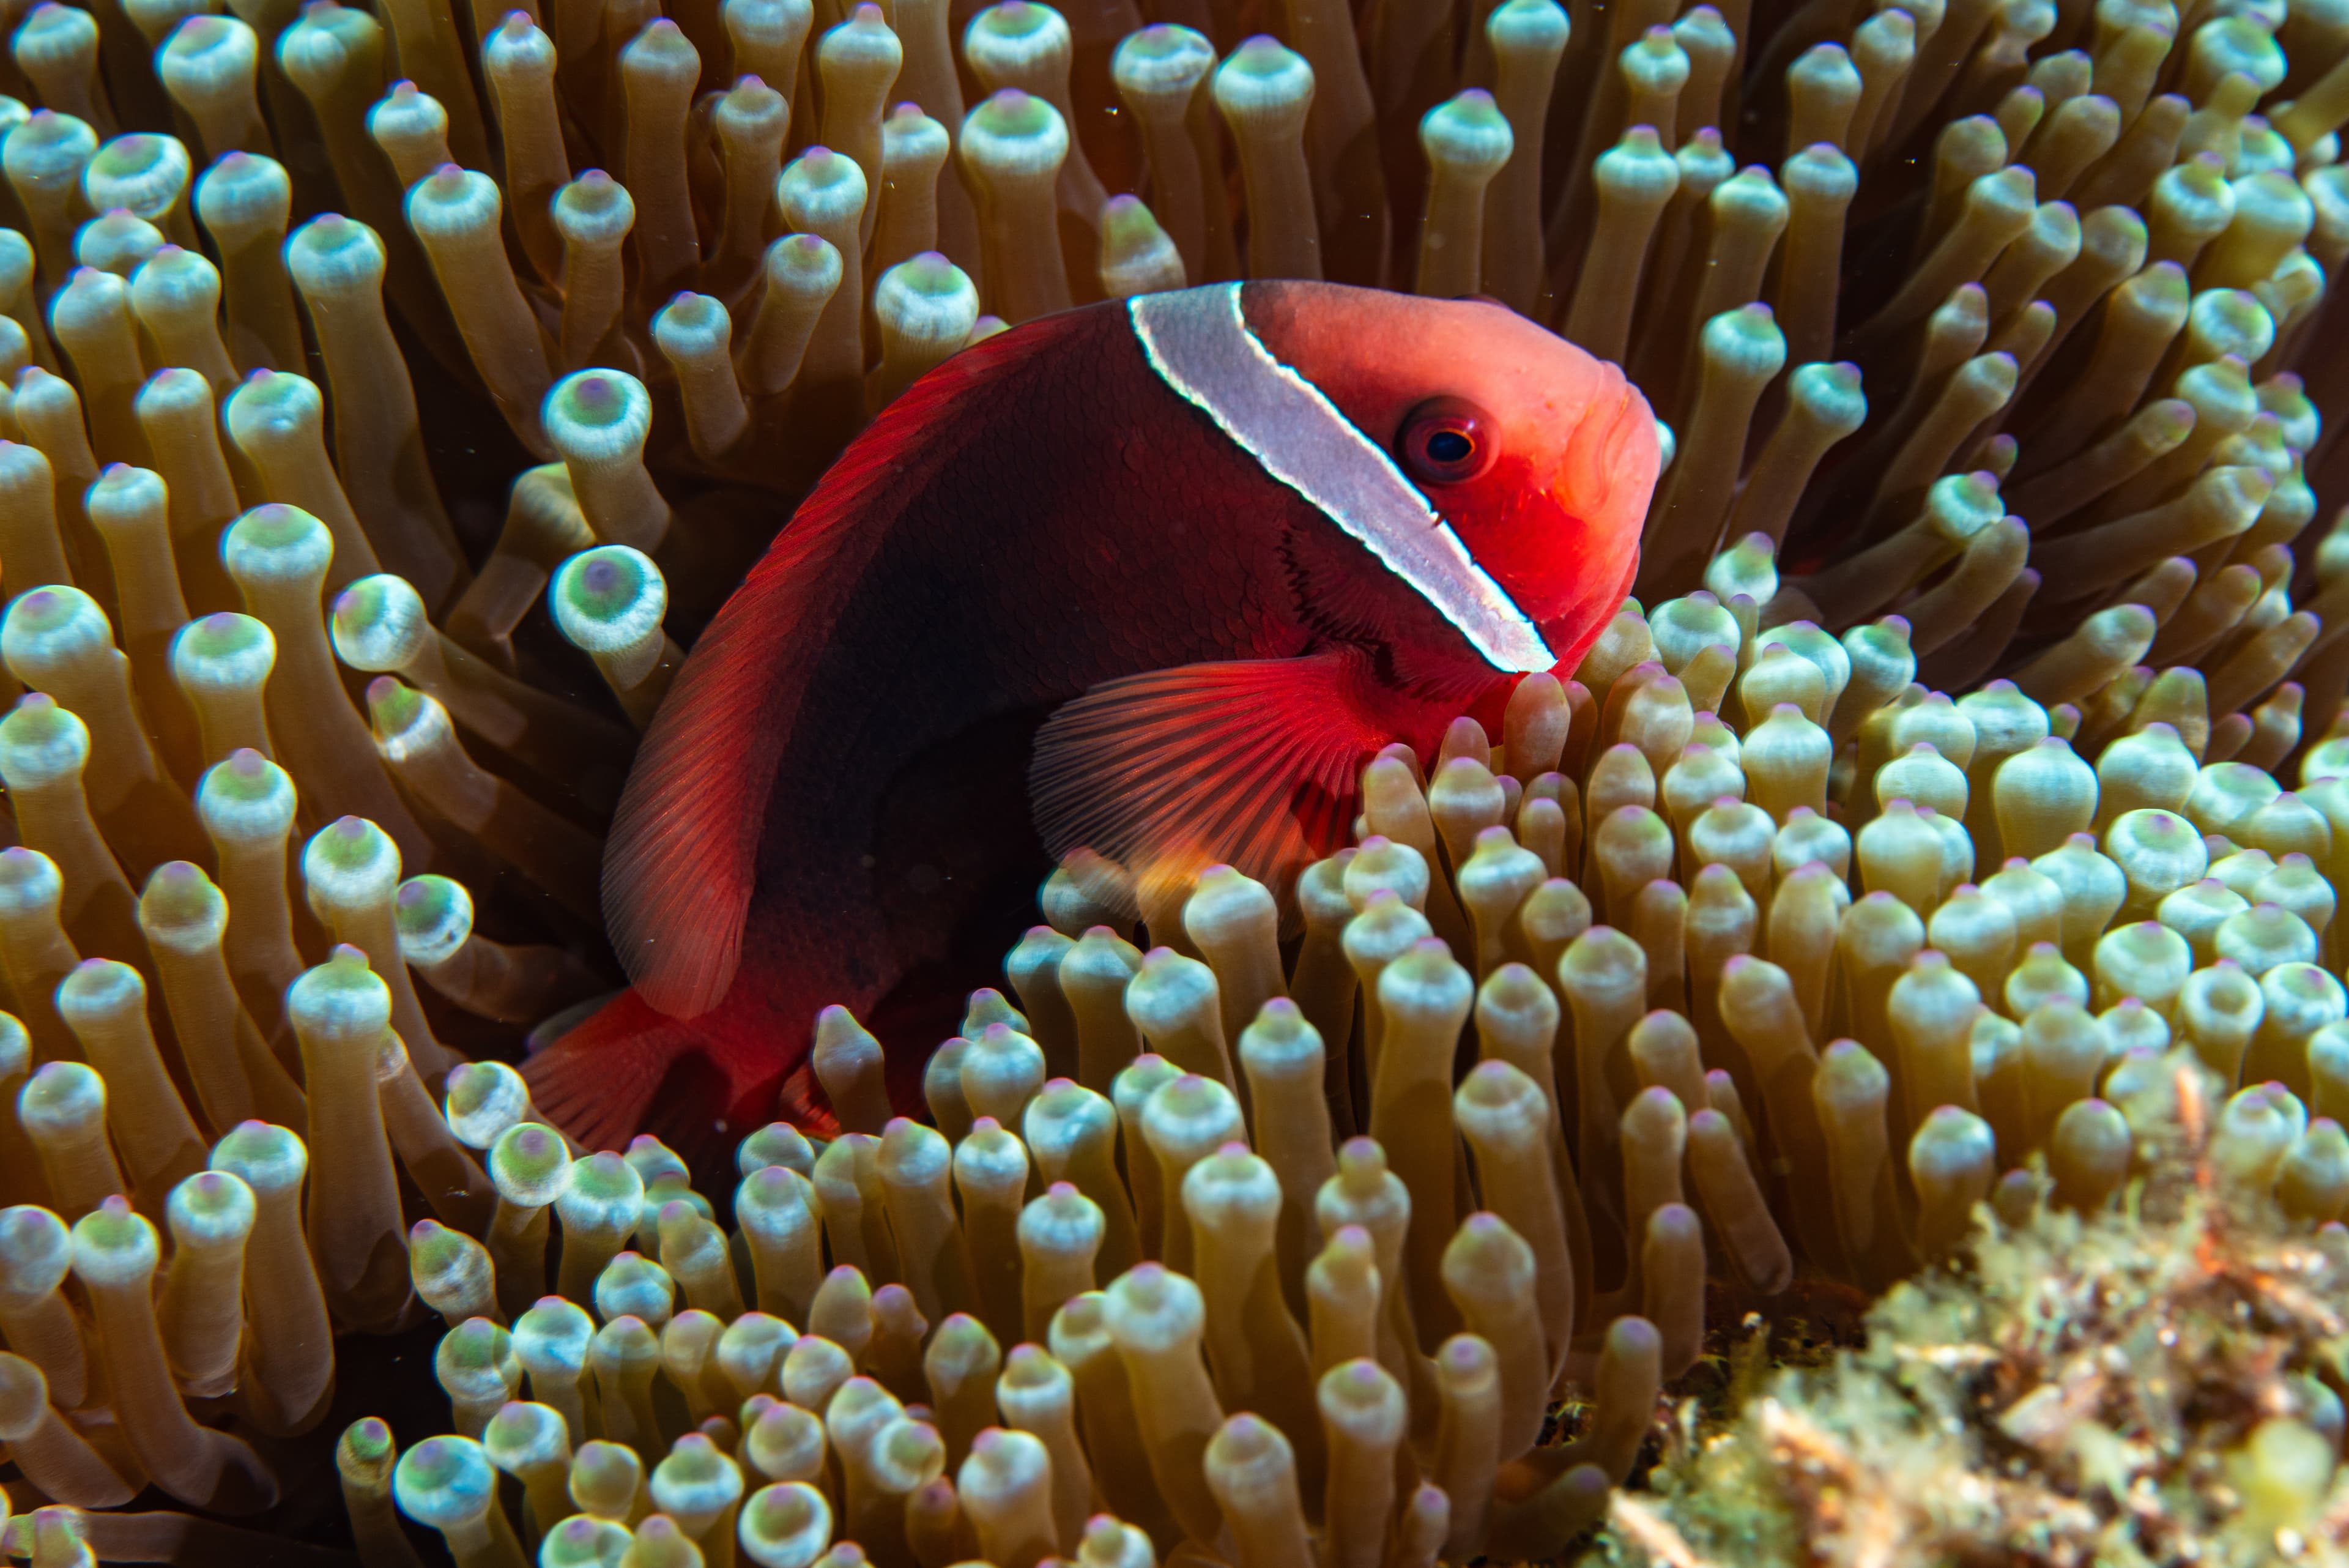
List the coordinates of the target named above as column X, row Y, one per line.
column 681, row 861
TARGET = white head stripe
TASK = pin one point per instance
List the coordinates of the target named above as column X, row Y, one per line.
column 1199, row 343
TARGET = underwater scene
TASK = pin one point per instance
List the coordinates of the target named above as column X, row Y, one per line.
column 798, row 783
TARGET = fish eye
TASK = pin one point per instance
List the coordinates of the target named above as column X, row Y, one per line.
column 1446, row 440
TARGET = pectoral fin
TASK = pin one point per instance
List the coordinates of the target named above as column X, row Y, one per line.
column 1256, row 764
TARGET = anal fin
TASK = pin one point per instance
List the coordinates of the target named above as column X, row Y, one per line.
column 1254, row 764
column 597, row 1080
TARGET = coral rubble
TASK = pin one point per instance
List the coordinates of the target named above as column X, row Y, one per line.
column 2155, row 1382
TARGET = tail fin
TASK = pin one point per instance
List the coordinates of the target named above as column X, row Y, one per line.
column 689, row 1082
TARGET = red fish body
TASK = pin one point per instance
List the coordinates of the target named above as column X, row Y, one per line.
column 1221, row 545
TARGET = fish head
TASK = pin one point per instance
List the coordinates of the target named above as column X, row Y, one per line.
column 1540, row 458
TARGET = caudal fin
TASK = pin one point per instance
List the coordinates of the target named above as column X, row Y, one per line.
column 630, row 1069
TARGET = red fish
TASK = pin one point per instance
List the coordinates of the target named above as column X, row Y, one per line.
column 1222, row 545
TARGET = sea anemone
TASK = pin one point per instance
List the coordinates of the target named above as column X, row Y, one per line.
column 1916, row 841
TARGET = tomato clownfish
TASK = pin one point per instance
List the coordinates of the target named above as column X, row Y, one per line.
column 1152, row 578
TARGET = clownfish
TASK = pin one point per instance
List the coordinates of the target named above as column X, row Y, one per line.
column 1153, row 578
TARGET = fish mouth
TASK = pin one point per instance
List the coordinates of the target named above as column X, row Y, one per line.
column 1608, row 442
